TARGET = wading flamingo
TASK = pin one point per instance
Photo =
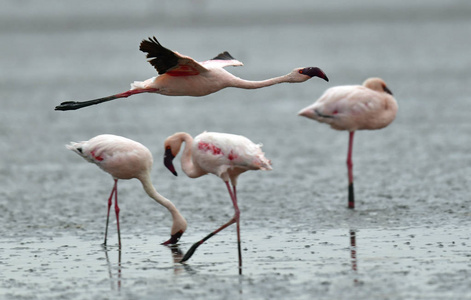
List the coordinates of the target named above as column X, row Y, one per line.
column 224, row 155
column 354, row 107
column 183, row 76
column 123, row 158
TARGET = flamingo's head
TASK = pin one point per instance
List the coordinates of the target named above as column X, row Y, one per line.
column 172, row 146
column 377, row 84
column 303, row 74
column 174, row 238
column 178, row 228
column 168, row 160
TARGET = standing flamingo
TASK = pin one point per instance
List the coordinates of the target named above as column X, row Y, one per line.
column 183, row 76
column 354, row 107
column 224, row 155
column 123, row 158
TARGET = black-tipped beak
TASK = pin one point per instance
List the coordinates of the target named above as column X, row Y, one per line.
column 168, row 160
column 385, row 88
column 174, row 238
column 314, row 71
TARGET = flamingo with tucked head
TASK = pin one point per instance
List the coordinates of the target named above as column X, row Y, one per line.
column 123, row 158
column 354, row 107
column 224, row 155
column 181, row 75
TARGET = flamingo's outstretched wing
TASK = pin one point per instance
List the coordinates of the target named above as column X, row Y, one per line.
column 166, row 61
column 222, row 60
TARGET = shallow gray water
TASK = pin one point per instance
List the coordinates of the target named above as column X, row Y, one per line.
column 378, row 263
column 411, row 224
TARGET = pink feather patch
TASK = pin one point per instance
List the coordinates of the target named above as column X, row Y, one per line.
column 99, row 158
column 209, row 147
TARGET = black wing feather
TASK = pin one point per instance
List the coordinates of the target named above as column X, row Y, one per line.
column 161, row 58
column 224, row 56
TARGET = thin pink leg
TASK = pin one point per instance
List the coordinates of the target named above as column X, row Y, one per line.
column 72, row 105
column 234, row 219
column 109, row 207
column 351, row 197
column 116, row 209
column 237, row 215
column 134, row 92
column 234, row 191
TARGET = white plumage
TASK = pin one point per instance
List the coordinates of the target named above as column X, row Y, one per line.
column 181, row 75
column 354, row 107
column 222, row 154
column 123, row 158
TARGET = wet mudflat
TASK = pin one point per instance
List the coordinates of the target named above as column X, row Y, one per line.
column 360, row 263
column 407, row 238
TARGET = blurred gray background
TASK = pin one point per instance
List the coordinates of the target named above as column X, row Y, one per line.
column 411, row 179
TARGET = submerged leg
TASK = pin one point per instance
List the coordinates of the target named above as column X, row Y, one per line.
column 72, row 105
column 351, row 197
column 109, row 207
column 233, row 220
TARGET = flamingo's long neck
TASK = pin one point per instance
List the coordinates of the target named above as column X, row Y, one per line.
column 189, row 167
column 179, row 222
column 248, row 84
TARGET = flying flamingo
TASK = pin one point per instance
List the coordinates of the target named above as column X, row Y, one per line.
column 354, row 107
column 224, row 155
column 181, row 75
column 123, row 158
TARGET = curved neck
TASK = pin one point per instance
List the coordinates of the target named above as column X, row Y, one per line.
column 188, row 166
column 179, row 222
column 248, row 84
